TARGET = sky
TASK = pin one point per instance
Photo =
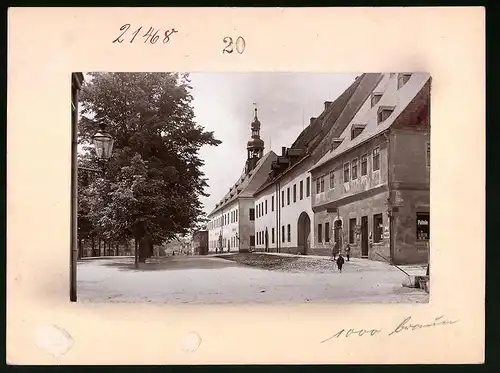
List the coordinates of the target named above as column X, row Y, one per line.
column 223, row 103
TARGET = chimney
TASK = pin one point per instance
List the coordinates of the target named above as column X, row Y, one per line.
column 327, row 104
column 312, row 120
column 283, row 151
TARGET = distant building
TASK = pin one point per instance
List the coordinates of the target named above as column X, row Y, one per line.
column 199, row 243
column 372, row 186
column 283, row 206
column 231, row 222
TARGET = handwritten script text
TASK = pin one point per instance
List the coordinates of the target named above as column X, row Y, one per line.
column 405, row 325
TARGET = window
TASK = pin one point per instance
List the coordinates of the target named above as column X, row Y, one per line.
column 318, row 185
column 364, row 165
column 282, row 233
column 266, row 207
column 384, row 113
column 376, row 159
column 252, row 241
column 251, row 214
column 272, row 203
column 257, row 213
column 327, row 232
column 287, row 196
column 282, row 198
column 320, row 233
column 403, row 79
column 288, row 233
column 308, row 186
column 354, row 168
column 322, row 183
column 352, row 226
column 378, row 228
column 294, row 193
column 346, row 172
column 301, row 189
column 423, row 226
column 272, row 235
column 376, row 98
column 236, row 215
column 428, row 154
column 332, row 179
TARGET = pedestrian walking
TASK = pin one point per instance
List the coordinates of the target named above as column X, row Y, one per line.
column 348, row 251
column 340, row 262
column 335, row 250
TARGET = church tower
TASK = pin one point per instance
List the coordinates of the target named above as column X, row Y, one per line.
column 255, row 146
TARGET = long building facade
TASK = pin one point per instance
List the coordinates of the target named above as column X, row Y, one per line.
column 371, row 190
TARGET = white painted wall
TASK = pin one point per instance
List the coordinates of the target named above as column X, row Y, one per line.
column 230, row 230
column 289, row 213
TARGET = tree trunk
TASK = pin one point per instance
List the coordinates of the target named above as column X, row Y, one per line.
column 136, row 253
column 80, row 248
column 117, row 250
column 145, row 248
column 104, row 248
column 99, row 241
column 93, row 246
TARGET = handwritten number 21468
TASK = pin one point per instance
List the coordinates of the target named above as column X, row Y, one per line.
column 229, row 46
column 151, row 35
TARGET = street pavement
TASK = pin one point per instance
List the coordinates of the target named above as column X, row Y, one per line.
column 210, row 279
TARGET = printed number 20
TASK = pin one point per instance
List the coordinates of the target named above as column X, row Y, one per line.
column 239, row 45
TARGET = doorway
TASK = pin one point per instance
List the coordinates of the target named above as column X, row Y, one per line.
column 364, row 236
column 303, row 232
column 337, row 233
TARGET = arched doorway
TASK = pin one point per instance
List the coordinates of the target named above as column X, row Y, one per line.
column 303, row 233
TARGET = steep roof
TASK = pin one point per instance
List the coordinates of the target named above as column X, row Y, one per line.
column 395, row 99
column 243, row 185
column 331, row 122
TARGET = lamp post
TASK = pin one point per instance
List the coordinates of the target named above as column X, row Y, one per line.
column 103, row 145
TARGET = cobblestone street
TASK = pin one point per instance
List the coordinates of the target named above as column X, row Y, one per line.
column 243, row 278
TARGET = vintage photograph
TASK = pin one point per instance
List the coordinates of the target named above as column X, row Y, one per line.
column 250, row 187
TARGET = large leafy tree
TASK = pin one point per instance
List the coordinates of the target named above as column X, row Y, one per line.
column 153, row 181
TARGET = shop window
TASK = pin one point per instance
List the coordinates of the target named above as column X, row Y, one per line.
column 346, row 172
column 352, row 227
column 327, row 232
column 320, row 233
column 376, row 159
column 378, row 228
column 423, row 226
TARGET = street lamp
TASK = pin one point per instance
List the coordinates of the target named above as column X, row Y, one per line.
column 103, row 143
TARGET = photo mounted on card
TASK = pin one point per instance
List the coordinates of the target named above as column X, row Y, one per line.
column 208, row 188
